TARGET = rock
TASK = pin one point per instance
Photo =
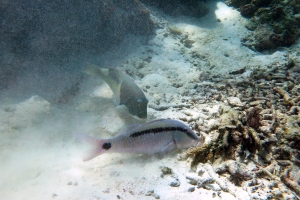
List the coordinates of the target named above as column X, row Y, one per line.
column 234, row 102
column 200, row 171
column 149, row 193
column 214, row 187
column 156, row 196
column 166, row 170
column 248, row 10
column 174, row 30
column 191, row 189
column 212, row 124
column 200, row 122
column 192, row 180
column 267, row 117
column 175, row 184
column 272, row 22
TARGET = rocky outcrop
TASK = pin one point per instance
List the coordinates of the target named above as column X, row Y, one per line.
column 274, row 23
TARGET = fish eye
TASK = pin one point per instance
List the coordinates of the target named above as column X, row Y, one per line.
column 139, row 100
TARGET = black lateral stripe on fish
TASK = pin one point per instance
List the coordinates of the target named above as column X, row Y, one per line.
column 158, row 130
column 123, row 87
column 153, row 137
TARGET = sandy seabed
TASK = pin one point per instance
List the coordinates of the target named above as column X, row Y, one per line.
column 40, row 158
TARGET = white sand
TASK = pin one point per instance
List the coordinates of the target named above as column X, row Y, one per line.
column 40, row 158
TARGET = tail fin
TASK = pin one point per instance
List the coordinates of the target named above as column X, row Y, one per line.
column 92, row 69
column 95, row 144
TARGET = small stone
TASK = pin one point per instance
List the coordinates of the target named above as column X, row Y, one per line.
column 166, row 170
column 54, row 195
column 192, row 91
column 106, row 191
column 265, row 111
column 256, row 103
column 175, row 184
column 70, row 183
column 156, row 196
column 182, row 157
column 205, row 110
column 273, row 185
column 191, row 189
column 277, row 193
column 213, row 187
column 235, row 102
column 192, row 180
column 200, row 172
column 149, row 193
column 268, row 117
column 200, row 122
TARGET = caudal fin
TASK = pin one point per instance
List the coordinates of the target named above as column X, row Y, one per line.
column 95, row 146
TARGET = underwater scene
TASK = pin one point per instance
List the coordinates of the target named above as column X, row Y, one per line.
column 150, row 99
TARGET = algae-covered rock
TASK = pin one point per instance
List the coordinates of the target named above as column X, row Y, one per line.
column 174, row 30
column 274, row 23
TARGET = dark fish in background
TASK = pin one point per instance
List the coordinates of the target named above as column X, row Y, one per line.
column 123, row 87
column 157, row 136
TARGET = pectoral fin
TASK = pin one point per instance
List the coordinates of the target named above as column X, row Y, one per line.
column 169, row 147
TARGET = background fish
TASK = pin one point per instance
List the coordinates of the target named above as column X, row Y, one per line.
column 123, row 87
column 156, row 136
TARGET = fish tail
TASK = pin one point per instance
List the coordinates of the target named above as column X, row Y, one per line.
column 95, row 146
column 92, row 70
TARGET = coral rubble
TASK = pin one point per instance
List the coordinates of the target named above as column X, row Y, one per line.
column 256, row 134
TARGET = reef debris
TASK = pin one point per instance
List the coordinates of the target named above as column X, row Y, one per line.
column 254, row 136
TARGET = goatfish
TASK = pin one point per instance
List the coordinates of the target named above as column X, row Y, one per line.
column 157, row 136
column 124, row 88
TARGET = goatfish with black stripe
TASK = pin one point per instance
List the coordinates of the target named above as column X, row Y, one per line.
column 126, row 91
column 157, row 136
